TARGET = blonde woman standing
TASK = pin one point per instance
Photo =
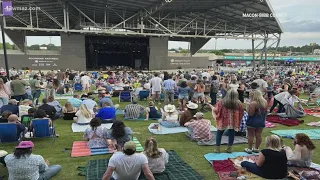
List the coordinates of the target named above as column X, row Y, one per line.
column 257, row 114
column 5, row 93
column 157, row 157
column 272, row 162
column 84, row 115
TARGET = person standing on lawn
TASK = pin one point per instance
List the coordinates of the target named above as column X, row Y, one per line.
column 127, row 164
column 256, row 121
column 228, row 112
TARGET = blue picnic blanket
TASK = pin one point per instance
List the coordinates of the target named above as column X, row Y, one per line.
column 224, row 156
column 312, row 133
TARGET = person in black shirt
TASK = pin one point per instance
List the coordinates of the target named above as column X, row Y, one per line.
column 49, row 110
column 272, row 162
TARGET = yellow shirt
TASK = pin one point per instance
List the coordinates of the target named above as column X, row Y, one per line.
column 105, row 76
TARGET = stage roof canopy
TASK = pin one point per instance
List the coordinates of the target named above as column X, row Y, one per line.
column 174, row 18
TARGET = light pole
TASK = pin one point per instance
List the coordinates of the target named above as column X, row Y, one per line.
column 4, row 41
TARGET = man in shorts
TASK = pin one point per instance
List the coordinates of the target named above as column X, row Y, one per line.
column 85, row 82
column 156, row 87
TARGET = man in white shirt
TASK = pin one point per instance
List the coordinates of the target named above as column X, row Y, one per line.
column 263, row 85
column 156, row 87
column 85, row 82
column 283, row 99
column 127, row 165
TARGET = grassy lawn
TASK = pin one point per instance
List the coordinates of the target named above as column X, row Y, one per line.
column 189, row 151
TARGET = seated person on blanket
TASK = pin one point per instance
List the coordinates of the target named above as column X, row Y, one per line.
column 83, row 115
column 22, row 164
column 158, row 158
column 56, row 105
column 64, row 89
column 303, row 151
column 75, row 101
column 119, row 133
column 106, row 97
column 134, row 111
column 170, row 117
column 14, row 119
column 68, row 111
column 107, row 113
column 199, row 129
column 4, row 116
column 91, row 103
column 272, row 162
column 96, row 134
column 188, row 115
column 283, row 99
column 152, row 111
column 127, row 164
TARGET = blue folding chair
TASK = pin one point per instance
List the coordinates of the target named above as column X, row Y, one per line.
column 78, row 87
column 41, row 128
column 8, row 133
column 144, row 95
column 125, row 96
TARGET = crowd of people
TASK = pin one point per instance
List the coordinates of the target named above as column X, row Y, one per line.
column 239, row 103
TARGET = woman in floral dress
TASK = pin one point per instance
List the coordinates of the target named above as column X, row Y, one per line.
column 228, row 112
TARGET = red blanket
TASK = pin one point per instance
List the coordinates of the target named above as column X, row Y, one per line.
column 224, row 166
column 312, row 111
column 284, row 121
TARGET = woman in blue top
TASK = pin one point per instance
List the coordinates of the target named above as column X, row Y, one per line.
column 107, row 113
column 120, row 133
column 183, row 91
column 152, row 111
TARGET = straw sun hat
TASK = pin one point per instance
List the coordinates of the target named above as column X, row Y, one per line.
column 169, row 108
column 192, row 105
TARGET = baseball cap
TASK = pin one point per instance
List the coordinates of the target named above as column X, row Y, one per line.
column 25, row 145
column 12, row 101
column 130, row 145
column 199, row 115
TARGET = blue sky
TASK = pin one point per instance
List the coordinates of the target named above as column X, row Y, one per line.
column 299, row 18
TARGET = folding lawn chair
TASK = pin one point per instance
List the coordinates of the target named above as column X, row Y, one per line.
column 8, row 133
column 144, row 95
column 125, row 96
column 78, row 87
column 42, row 128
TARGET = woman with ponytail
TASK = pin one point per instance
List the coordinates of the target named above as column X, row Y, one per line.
column 157, row 157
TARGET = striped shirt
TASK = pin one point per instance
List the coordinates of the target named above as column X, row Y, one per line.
column 133, row 111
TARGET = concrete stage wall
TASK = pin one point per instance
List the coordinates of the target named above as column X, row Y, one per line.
column 73, row 56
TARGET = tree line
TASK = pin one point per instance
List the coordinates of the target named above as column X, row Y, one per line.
column 303, row 50
column 50, row 47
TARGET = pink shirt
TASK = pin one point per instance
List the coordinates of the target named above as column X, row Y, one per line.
column 5, row 92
